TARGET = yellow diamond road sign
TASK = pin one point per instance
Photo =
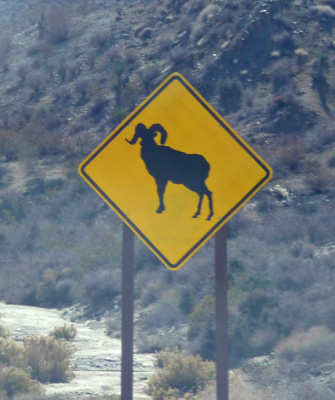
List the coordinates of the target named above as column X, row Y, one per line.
column 175, row 171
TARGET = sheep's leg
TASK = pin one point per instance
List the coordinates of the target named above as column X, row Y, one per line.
column 201, row 196
column 161, row 190
column 210, row 200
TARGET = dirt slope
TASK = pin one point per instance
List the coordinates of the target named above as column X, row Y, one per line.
column 96, row 361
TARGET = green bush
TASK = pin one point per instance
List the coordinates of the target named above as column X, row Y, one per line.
column 14, row 381
column 48, row 358
column 179, row 374
column 64, row 332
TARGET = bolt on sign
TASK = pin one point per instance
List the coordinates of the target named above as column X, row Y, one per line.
column 175, row 171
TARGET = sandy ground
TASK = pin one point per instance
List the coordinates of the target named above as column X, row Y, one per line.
column 97, row 360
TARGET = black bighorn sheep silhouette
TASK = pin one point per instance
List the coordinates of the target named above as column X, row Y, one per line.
column 167, row 164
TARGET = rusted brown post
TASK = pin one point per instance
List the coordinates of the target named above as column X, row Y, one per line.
column 221, row 313
column 127, row 335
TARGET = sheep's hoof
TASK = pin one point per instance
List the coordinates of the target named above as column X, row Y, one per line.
column 196, row 215
column 160, row 210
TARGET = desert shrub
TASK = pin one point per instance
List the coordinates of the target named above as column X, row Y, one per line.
column 11, row 144
column 208, row 13
column 252, row 331
column 119, row 114
column 14, row 381
column 46, row 289
column 64, row 332
column 48, row 358
column 230, row 92
column 34, row 396
column 65, row 291
column 304, row 351
column 166, row 39
column 324, row 10
column 198, row 30
column 249, row 96
column 284, row 41
column 311, row 389
column 177, row 55
column 62, row 94
column 208, row 393
column 187, row 301
column 331, row 162
column 113, row 326
column 101, row 39
column 130, row 56
column 73, row 70
column 5, row 47
column 52, row 292
column 61, row 69
column 179, row 374
column 22, row 71
column 132, row 92
column 151, row 292
column 256, row 304
column 148, row 74
column 101, row 286
column 282, row 73
column 319, row 79
column 54, row 24
column 110, row 397
column 290, row 156
column 291, row 113
column 319, row 180
column 82, row 86
column 322, row 135
column 11, row 353
column 50, row 143
column 12, row 209
column 164, row 312
column 201, row 329
column 146, row 33
column 239, row 389
column 150, row 343
column 36, row 80
column 99, row 104
column 301, row 56
column 34, row 49
column 4, row 331
column 319, row 75
column 52, row 122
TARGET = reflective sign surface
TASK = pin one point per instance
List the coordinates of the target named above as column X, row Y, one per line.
column 175, row 171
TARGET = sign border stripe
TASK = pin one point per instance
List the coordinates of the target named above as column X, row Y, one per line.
column 223, row 123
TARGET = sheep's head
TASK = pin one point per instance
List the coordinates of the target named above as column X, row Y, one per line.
column 142, row 132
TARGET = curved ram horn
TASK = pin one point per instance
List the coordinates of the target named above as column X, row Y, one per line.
column 140, row 130
column 161, row 130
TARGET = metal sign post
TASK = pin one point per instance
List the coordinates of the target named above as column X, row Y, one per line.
column 127, row 330
column 221, row 313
